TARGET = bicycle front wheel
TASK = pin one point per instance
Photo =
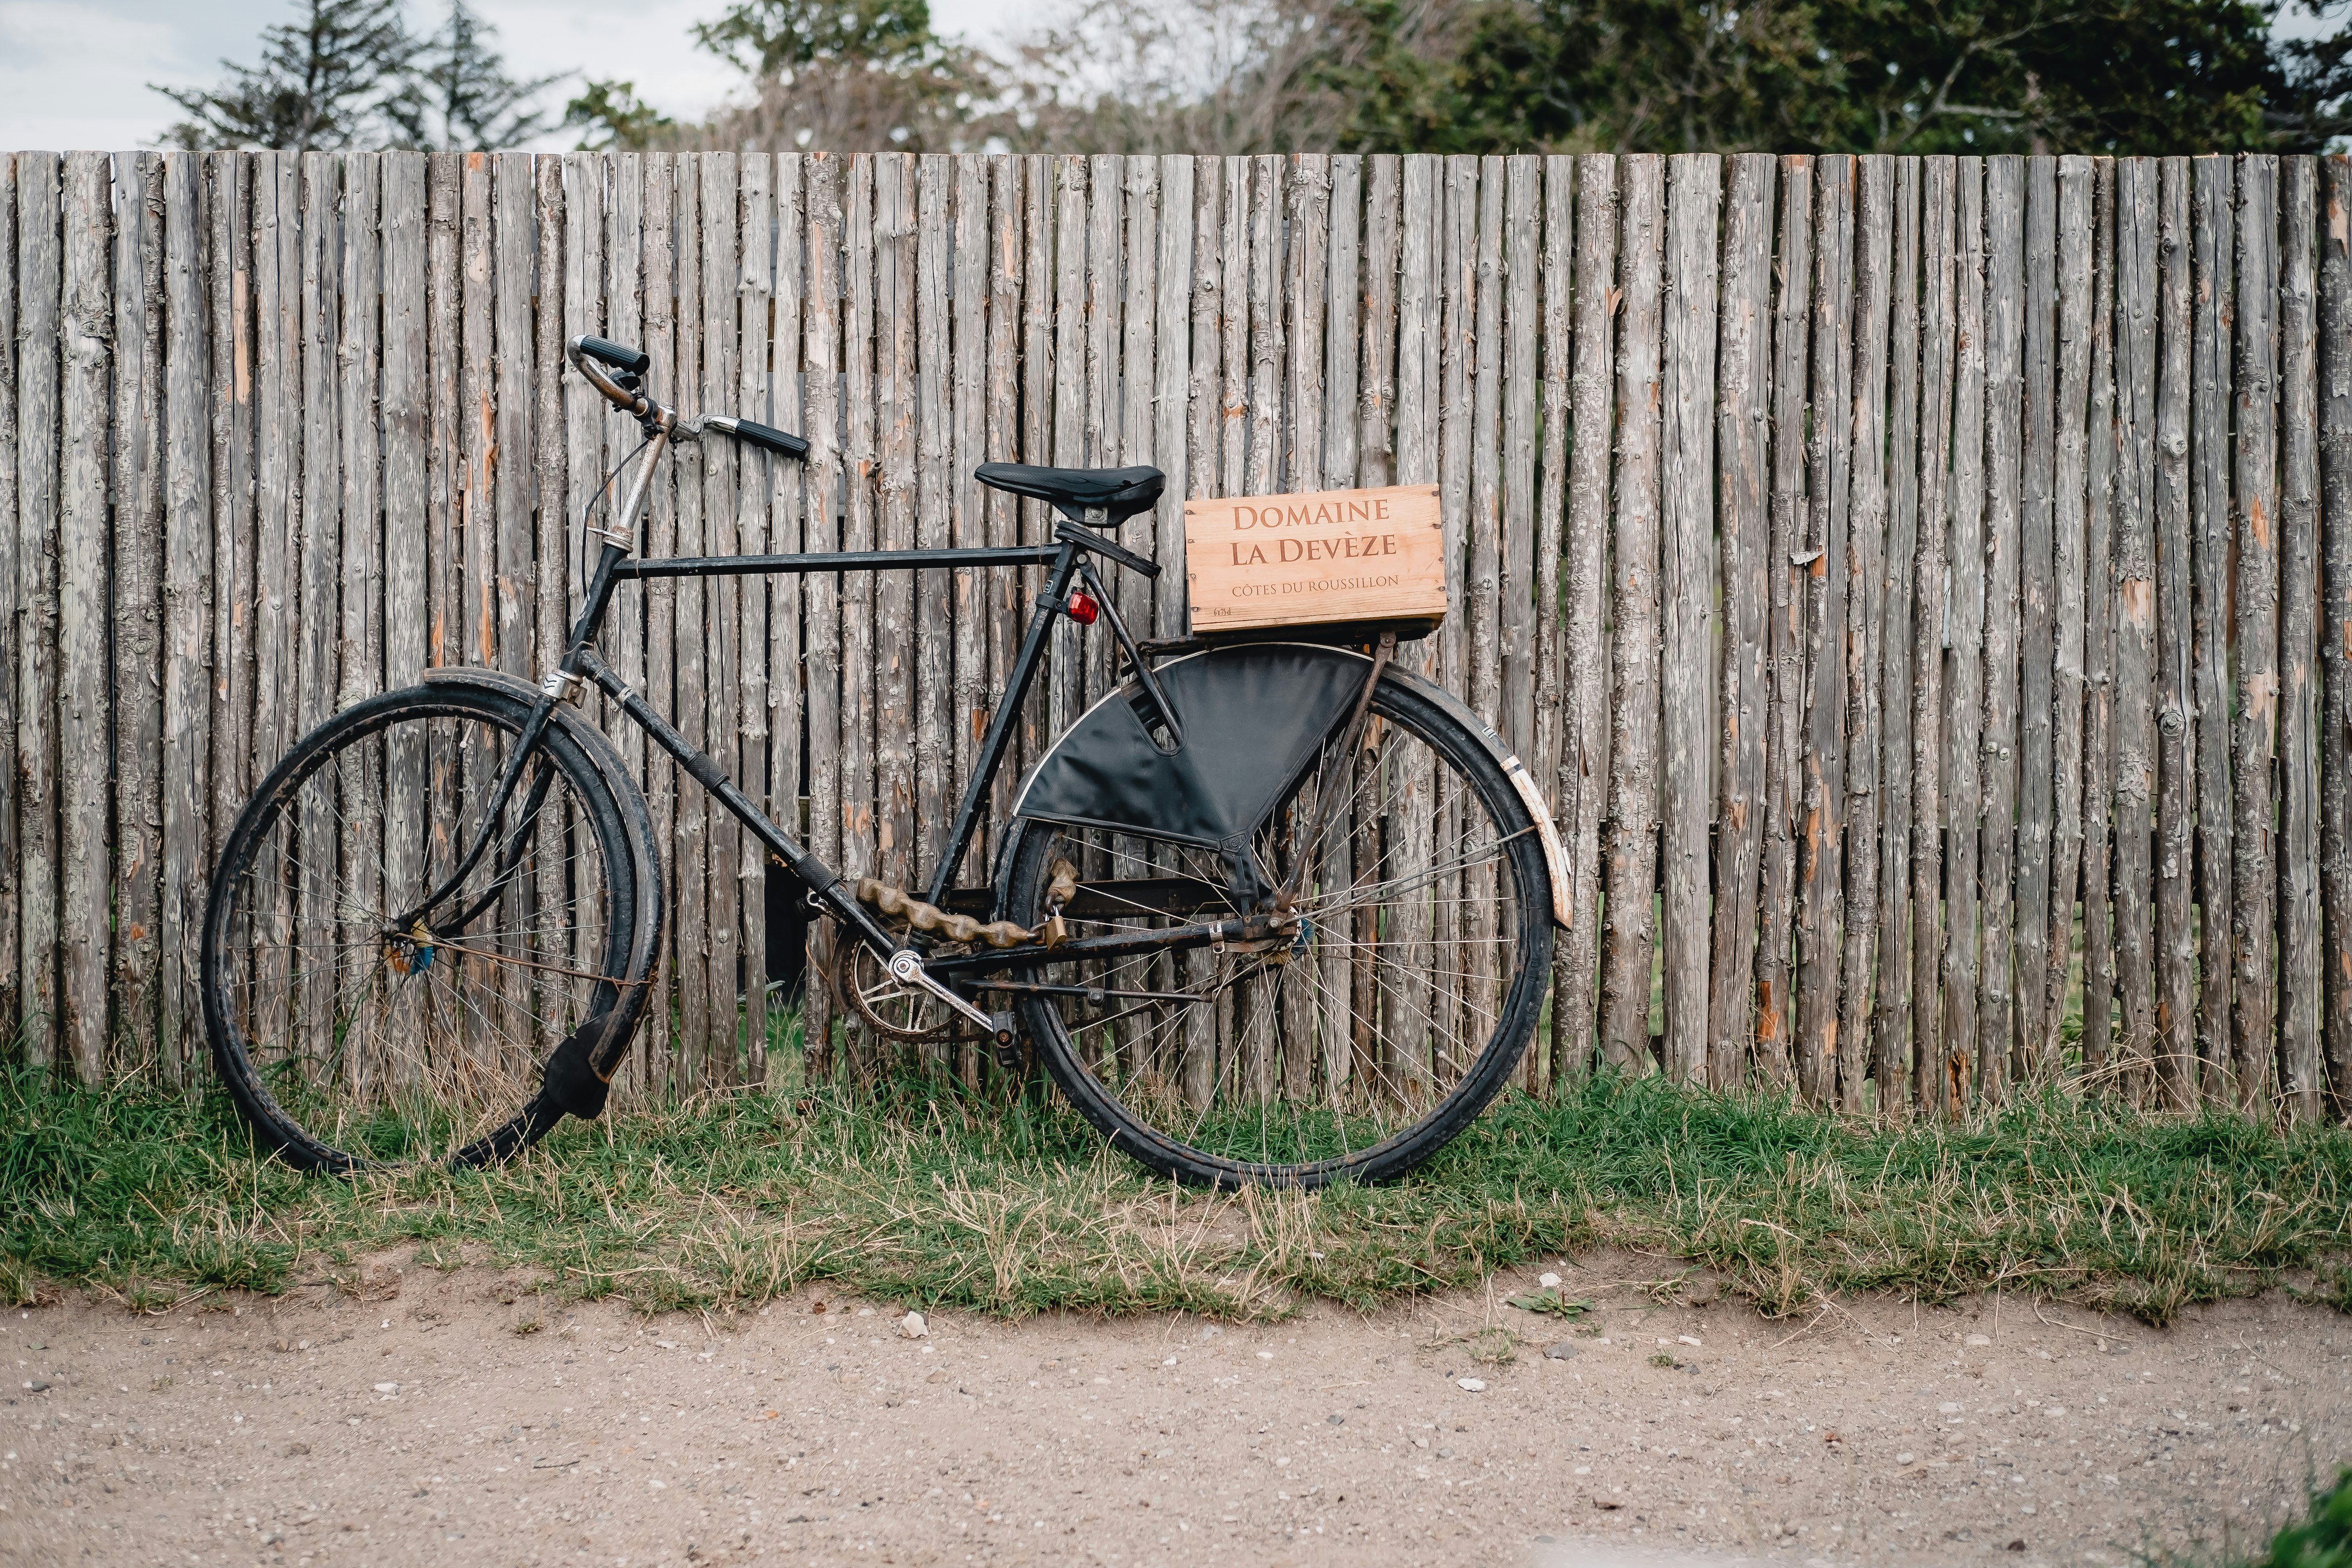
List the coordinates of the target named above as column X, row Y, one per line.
column 1354, row 1048
column 352, row 1025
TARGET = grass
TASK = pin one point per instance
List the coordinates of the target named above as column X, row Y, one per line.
column 1011, row 1205
column 2322, row 1540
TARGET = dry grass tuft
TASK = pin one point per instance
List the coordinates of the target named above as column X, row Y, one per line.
column 1012, row 1206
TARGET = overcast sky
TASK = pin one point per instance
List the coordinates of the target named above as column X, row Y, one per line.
column 75, row 73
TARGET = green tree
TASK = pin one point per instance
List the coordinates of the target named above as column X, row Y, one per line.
column 774, row 38
column 1622, row 75
column 854, row 74
column 1913, row 76
column 332, row 78
column 464, row 97
column 609, row 115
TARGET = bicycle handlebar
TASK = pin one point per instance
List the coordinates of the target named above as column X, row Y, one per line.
column 782, row 443
column 636, row 362
column 625, row 392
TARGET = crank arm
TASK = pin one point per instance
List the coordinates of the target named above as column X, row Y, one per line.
column 906, row 967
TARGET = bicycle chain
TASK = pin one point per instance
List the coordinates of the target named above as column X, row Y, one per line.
column 898, row 904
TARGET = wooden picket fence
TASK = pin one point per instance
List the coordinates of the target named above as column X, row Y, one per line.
column 1910, row 572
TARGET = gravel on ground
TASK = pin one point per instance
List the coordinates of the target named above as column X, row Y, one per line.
column 412, row 1415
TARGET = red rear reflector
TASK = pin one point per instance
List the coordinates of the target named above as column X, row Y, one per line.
column 1083, row 608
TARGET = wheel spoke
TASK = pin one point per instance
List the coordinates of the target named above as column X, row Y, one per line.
column 1412, row 968
column 376, row 1044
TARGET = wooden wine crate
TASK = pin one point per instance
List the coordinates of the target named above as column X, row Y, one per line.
column 1356, row 556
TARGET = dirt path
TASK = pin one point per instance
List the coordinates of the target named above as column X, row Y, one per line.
column 457, row 1418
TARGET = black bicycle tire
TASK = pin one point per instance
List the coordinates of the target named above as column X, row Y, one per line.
column 1432, row 714
column 620, row 852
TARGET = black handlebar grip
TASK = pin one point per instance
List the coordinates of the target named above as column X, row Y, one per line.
column 636, row 362
column 781, row 442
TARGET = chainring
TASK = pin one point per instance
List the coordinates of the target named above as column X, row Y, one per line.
column 867, row 990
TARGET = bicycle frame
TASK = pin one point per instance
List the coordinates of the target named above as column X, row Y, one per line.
column 1070, row 568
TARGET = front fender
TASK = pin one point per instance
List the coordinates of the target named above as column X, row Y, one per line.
column 644, row 944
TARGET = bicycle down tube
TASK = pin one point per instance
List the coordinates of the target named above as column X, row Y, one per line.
column 581, row 662
column 1070, row 569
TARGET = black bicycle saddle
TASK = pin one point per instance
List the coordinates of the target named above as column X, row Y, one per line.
column 1120, row 493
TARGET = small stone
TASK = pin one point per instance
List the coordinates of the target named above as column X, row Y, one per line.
column 296, row 1450
column 913, row 1327
column 936, row 1376
column 1337, row 1420
column 387, row 1388
column 1686, row 1339
column 1902, row 1459
column 1562, row 1350
column 1471, row 1384
column 1979, row 1339
column 37, row 1385
column 1549, row 1281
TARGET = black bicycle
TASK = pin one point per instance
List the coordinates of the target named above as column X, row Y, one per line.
column 1273, row 910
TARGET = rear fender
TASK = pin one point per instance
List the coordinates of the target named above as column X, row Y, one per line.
column 1563, row 908
column 1254, row 718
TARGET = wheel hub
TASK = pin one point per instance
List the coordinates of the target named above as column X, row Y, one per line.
column 409, row 954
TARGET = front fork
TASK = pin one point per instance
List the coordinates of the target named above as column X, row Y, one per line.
column 618, row 540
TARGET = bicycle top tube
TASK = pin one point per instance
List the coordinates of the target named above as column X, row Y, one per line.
column 1089, row 498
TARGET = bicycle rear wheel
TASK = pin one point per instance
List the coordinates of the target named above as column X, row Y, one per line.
column 1354, row 1047
column 350, row 1029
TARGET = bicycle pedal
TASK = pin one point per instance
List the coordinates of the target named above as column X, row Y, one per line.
column 1005, row 1042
